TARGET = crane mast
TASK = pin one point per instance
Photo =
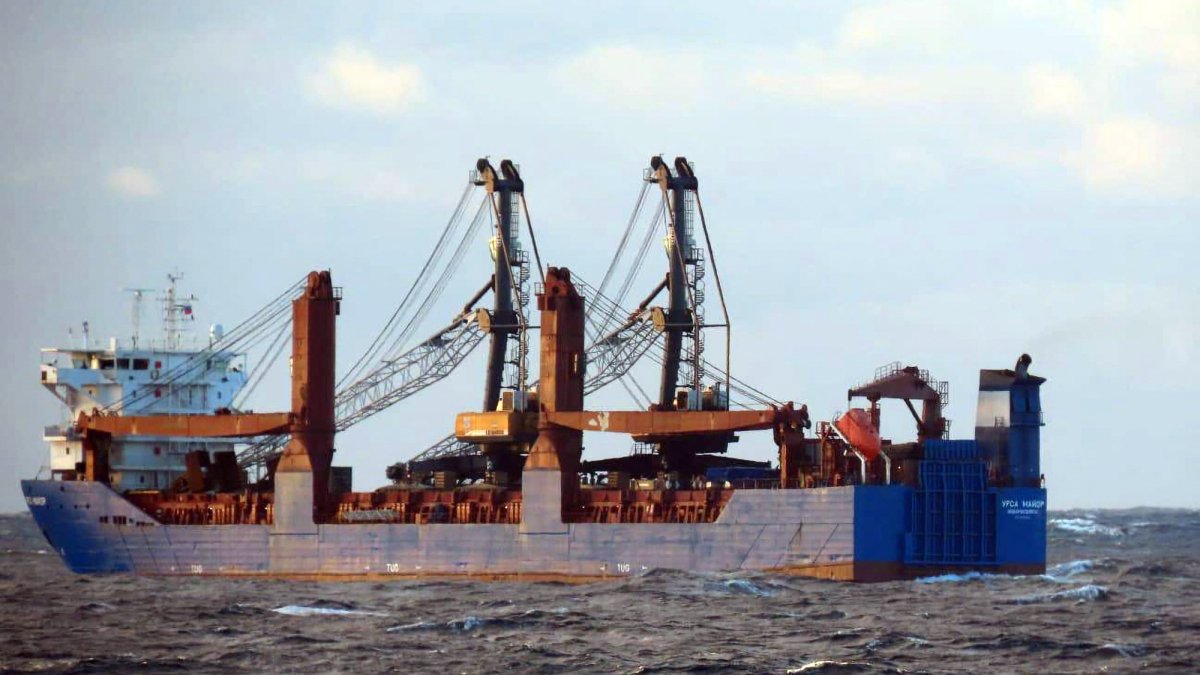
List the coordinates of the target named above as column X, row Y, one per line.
column 505, row 189
column 680, row 317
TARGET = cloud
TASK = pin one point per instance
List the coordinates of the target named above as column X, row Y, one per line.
column 1113, row 103
column 351, row 78
column 1137, row 154
column 837, row 86
column 361, row 178
column 916, row 25
column 132, row 182
column 1055, row 93
column 1166, row 32
column 625, row 76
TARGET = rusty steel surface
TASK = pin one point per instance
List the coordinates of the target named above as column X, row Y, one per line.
column 664, row 422
column 206, row 426
column 314, row 329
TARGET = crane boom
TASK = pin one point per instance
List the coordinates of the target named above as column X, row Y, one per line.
column 612, row 356
column 416, row 369
column 391, row 382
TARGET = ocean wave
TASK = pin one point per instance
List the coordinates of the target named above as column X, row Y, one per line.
column 745, row 587
column 1128, row 651
column 830, row 666
column 303, row 610
column 1064, row 571
column 890, row 640
column 471, row 622
column 965, row 576
column 96, row 608
column 1085, row 526
column 1086, row 593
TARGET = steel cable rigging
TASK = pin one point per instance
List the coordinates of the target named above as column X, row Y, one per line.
column 388, row 372
column 246, row 334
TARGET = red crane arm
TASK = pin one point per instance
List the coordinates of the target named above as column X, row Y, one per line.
column 205, row 426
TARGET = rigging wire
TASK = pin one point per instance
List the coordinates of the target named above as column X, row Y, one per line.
column 616, row 312
column 270, row 356
column 633, row 218
column 439, row 285
column 240, row 334
column 364, row 361
column 533, row 239
column 736, row 385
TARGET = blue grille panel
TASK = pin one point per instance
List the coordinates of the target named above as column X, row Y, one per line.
column 953, row 513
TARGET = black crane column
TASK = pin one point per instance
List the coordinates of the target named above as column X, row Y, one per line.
column 678, row 320
column 507, row 187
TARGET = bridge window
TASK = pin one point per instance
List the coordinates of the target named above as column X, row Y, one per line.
column 123, row 364
column 141, row 364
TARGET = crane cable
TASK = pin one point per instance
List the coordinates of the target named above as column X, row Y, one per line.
column 270, row 356
column 389, row 328
column 246, row 330
column 633, row 218
column 439, row 285
column 533, row 240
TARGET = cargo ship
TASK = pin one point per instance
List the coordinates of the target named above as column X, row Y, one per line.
column 510, row 494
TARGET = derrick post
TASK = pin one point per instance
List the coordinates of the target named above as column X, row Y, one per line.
column 560, row 389
column 310, row 450
column 505, row 188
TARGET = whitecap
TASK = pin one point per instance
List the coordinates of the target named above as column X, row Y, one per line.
column 1063, row 571
column 747, row 587
column 301, row 610
column 1085, row 526
column 825, row 664
column 470, row 623
column 965, row 576
column 419, row 625
column 1128, row 651
column 1087, row 593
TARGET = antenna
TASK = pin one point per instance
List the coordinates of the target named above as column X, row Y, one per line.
column 138, row 294
column 174, row 309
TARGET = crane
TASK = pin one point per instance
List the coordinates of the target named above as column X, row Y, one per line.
column 385, row 375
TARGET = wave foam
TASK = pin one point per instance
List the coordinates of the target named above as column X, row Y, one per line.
column 1064, row 571
column 965, row 576
column 1085, row 526
column 829, row 666
column 302, row 610
column 1087, row 593
column 746, row 587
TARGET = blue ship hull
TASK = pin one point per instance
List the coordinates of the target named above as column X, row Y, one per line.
column 861, row 533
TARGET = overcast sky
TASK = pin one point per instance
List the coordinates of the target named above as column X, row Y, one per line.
column 942, row 183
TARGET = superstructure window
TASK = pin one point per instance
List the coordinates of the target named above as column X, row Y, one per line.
column 123, row 364
column 141, row 364
column 106, row 364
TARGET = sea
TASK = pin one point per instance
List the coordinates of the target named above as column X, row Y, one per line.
column 1122, row 594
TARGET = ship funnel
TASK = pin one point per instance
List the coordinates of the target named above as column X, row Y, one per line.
column 1022, row 367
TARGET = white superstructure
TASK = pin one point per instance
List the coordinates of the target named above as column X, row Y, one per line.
column 167, row 377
